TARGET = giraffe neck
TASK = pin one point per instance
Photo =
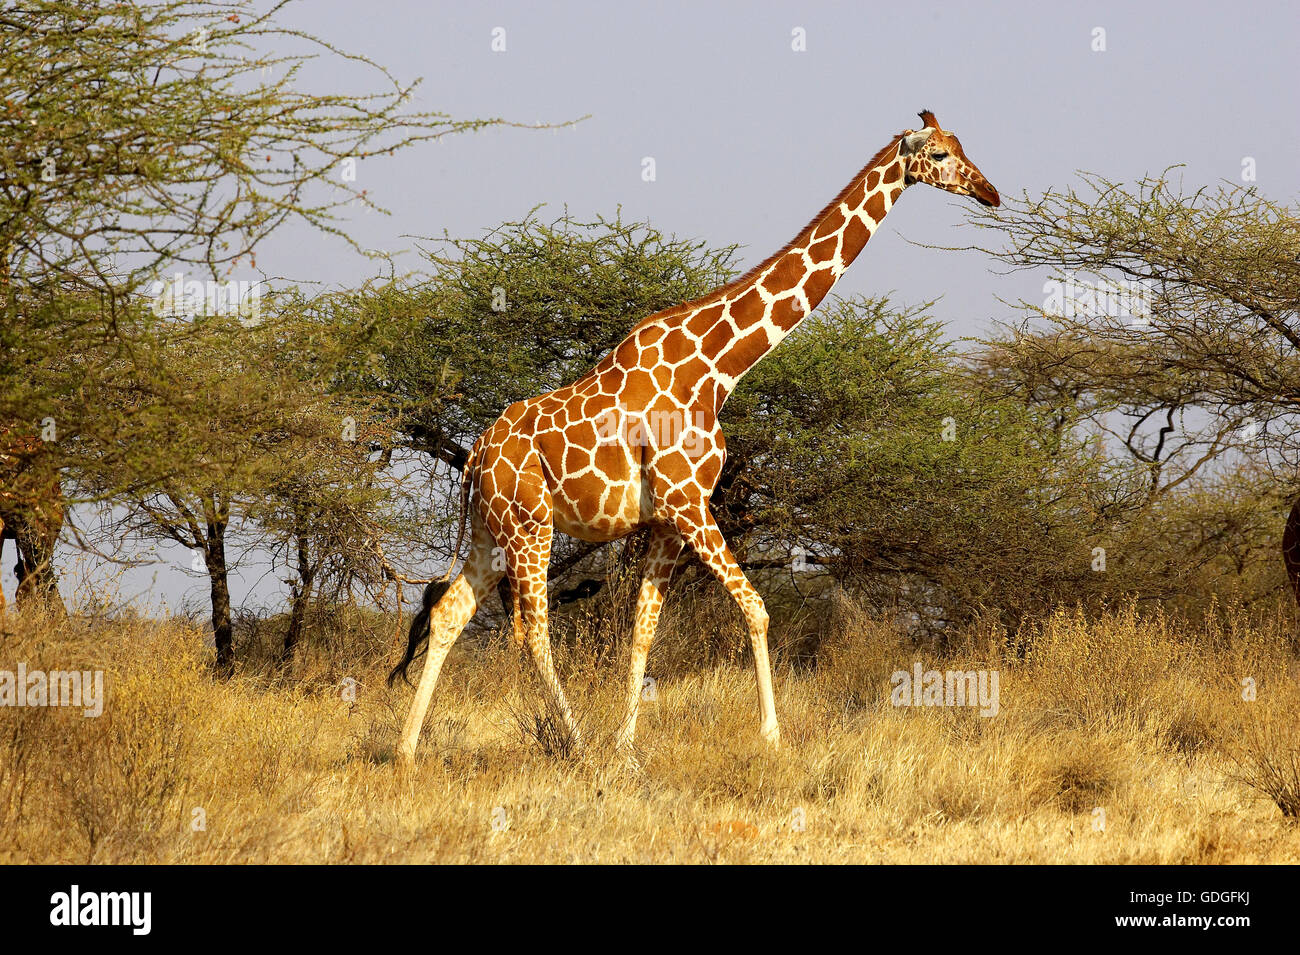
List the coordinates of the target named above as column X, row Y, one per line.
column 743, row 321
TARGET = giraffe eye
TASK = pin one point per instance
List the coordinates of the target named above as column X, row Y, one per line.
column 938, row 157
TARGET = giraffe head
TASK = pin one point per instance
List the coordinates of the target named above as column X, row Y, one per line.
column 933, row 155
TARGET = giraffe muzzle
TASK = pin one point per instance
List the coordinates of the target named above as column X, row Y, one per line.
column 985, row 194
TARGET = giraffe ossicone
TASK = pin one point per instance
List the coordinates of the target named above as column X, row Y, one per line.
column 553, row 462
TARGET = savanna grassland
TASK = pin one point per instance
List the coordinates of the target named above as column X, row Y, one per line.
column 942, row 480
column 1120, row 739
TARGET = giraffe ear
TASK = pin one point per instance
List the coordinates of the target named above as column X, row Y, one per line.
column 912, row 142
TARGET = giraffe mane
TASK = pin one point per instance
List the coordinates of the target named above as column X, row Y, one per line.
column 804, row 234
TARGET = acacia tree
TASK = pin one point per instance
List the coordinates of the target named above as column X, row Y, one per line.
column 836, row 443
column 268, row 450
column 1170, row 326
column 859, row 452
column 144, row 139
column 333, row 510
column 231, row 420
column 527, row 307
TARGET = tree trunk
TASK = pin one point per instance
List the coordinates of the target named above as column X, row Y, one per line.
column 34, row 540
column 1291, row 549
column 301, row 594
column 214, row 555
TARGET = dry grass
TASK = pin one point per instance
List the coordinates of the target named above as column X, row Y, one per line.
column 1124, row 739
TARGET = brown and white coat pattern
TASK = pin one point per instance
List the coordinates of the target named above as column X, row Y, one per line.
column 636, row 442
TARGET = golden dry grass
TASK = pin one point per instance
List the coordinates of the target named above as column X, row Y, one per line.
column 1126, row 720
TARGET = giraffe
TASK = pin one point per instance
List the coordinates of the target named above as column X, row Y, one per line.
column 635, row 442
column 31, row 515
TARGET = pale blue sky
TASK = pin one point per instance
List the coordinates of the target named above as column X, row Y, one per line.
column 751, row 138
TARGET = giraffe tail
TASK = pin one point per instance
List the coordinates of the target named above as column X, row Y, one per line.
column 418, row 636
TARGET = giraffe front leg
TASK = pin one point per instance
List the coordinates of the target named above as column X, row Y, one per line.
column 526, row 531
column 532, row 596
column 700, row 530
column 661, row 557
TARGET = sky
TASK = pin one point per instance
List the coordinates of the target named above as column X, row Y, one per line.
column 750, row 136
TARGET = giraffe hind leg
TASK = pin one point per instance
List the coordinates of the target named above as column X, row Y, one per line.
column 446, row 620
column 418, row 635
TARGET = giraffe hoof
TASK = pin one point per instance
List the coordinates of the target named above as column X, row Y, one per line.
column 773, row 738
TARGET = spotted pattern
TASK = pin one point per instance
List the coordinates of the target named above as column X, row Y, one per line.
column 635, row 442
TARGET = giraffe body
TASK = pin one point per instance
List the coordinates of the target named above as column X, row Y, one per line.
column 635, row 442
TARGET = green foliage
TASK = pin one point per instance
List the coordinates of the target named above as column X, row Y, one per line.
column 524, row 309
column 1210, row 368
column 142, row 140
column 858, row 449
column 146, row 140
column 1192, row 397
column 141, row 137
